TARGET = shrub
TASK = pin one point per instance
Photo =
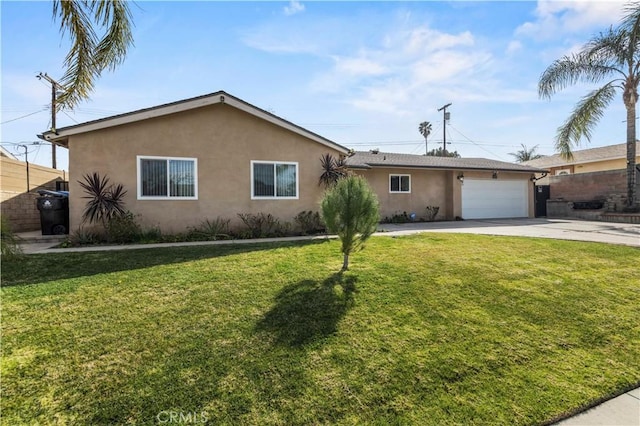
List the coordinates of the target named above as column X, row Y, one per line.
column 309, row 222
column 123, row 229
column 262, row 225
column 151, row 235
column 84, row 237
column 9, row 241
column 400, row 218
column 432, row 212
column 210, row 230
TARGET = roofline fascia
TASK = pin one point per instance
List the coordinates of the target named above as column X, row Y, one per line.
column 577, row 163
column 489, row 169
column 62, row 135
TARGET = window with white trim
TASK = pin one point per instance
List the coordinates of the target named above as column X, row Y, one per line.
column 161, row 178
column 400, row 183
column 270, row 179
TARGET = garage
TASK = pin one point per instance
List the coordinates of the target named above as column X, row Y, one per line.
column 493, row 198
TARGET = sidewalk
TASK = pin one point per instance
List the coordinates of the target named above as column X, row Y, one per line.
column 623, row 410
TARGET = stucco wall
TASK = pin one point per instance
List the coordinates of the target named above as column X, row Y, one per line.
column 224, row 140
column 431, row 188
column 428, row 188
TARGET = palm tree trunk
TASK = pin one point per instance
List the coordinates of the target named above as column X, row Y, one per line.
column 631, row 155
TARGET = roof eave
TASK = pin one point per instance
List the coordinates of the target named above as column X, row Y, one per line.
column 414, row 166
column 61, row 136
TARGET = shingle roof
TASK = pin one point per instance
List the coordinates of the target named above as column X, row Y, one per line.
column 367, row 160
column 582, row 156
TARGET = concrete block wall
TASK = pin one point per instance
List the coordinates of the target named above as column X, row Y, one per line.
column 21, row 211
column 588, row 186
column 16, row 204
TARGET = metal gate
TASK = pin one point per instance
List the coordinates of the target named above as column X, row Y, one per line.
column 542, row 195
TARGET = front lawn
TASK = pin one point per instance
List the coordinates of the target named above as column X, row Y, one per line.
column 428, row 329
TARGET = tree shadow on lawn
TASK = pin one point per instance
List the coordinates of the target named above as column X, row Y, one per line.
column 224, row 380
column 309, row 310
column 39, row 269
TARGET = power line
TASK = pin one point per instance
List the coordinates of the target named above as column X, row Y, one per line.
column 74, row 120
column 479, row 146
column 24, row 116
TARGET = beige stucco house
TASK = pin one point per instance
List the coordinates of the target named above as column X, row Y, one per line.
column 200, row 158
column 467, row 188
column 218, row 156
column 601, row 159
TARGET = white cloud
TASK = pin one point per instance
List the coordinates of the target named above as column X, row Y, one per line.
column 513, row 47
column 293, row 8
column 554, row 18
column 359, row 66
column 408, row 67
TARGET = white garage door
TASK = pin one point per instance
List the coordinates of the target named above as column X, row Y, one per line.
column 494, row 198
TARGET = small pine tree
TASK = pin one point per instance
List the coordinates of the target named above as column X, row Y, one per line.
column 350, row 209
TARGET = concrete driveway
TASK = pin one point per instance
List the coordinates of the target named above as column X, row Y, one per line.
column 561, row 229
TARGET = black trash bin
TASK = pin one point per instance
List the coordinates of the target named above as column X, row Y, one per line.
column 54, row 212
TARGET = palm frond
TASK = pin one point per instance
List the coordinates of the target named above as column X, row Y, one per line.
column 583, row 119
column 631, row 20
column 89, row 55
column 570, row 70
column 610, row 48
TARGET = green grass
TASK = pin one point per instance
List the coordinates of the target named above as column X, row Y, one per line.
column 430, row 329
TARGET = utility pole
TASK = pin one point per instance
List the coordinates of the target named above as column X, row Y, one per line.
column 445, row 117
column 26, row 160
column 54, row 86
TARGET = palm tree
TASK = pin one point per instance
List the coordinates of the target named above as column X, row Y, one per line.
column 613, row 56
column 90, row 54
column 425, row 130
column 525, row 154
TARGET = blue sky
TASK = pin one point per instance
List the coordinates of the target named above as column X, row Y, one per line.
column 363, row 74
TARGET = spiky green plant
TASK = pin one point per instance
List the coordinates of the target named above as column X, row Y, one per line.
column 332, row 170
column 350, row 209
column 105, row 200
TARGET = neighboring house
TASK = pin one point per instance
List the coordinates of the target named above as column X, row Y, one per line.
column 200, row 158
column 18, row 185
column 612, row 157
column 218, row 156
column 467, row 188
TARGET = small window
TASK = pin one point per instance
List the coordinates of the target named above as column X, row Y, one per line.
column 562, row 172
column 400, row 183
column 274, row 180
column 162, row 178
